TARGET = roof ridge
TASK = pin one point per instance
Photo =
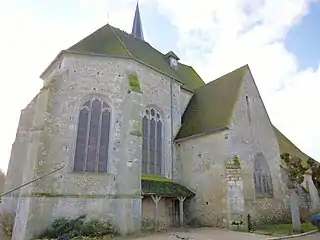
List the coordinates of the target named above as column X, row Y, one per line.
column 116, row 35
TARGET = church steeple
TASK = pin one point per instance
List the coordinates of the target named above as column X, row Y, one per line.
column 137, row 31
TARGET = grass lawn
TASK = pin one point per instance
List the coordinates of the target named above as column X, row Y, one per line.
column 282, row 229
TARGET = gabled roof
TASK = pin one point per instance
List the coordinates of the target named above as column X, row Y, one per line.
column 109, row 40
column 211, row 106
column 286, row 146
column 171, row 54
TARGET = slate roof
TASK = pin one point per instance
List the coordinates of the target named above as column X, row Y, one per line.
column 109, row 40
column 211, row 106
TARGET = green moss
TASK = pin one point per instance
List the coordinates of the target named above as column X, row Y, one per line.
column 286, row 146
column 159, row 185
column 57, row 195
column 134, row 82
column 112, row 41
column 305, row 189
column 152, row 177
column 211, row 106
column 41, row 194
column 137, row 128
column 136, row 133
column 234, row 164
column 46, row 86
column 282, row 229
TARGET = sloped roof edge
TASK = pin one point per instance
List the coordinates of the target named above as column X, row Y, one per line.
column 204, row 112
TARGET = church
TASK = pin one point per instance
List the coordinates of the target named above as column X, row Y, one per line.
column 135, row 137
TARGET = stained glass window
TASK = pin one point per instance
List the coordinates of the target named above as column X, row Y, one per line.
column 92, row 144
column 152, row 134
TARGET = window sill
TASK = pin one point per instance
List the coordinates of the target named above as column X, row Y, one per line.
column 92, row 173
column 264, row 196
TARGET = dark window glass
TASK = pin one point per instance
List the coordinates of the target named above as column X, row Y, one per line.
column 159, row 148
column 152, row 137
column 92, row 143
column 145, row 123
column 262, row 176
column 104, row 141
column 79, row 161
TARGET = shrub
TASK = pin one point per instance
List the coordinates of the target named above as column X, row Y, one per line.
column 77, row 227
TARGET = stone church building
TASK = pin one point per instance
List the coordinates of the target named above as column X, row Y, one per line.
column 140, row 140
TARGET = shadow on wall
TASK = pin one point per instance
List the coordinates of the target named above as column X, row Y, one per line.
column 2, row 179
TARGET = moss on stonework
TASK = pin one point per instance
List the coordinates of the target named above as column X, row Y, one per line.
column 57, row 195
column 305, row 189
column 234, row 164
column 161, row 186
column 46, row 86
column 137, row 129
column 134, row 82
column 136, row 133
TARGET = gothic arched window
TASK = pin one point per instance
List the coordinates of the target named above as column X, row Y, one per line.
column 92, row 144
column 262, row 177
column 152, row 141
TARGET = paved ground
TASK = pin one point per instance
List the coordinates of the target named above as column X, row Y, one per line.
column 214, row 234
column 203, row 234
column 315, row 236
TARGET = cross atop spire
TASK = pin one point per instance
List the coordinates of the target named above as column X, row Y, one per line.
column 137, row 31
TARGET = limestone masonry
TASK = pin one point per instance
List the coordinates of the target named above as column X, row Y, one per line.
column 144, row 143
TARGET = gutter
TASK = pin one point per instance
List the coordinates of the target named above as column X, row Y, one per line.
column 202, row 133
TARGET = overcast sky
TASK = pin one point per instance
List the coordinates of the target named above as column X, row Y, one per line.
column 277, row 38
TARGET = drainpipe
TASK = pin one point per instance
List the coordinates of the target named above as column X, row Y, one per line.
column 171, row 102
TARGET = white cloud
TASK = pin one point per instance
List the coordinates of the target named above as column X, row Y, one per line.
column 219, row 36
column 30, row 40
column 215, row 37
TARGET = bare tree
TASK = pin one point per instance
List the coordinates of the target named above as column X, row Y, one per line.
column 315, row 168
column 296, row 173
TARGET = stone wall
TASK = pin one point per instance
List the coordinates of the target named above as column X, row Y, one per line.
column 200, row 166
column 114, row 195
column 236, row 206
column 312, row 190
column 18, row 157
column 251, row 133
column 185, row 97
column 165, row 207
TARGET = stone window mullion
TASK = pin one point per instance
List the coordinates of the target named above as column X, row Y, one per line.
column 262, row 176
column 87, row 139
column 148, row 145
column 98, row 140
column 152, row 139
column 91, row 151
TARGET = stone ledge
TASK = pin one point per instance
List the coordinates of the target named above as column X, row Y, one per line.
column 293, row 236
column 64, row 195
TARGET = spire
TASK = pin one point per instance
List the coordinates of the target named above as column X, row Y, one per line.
column 137, row 25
